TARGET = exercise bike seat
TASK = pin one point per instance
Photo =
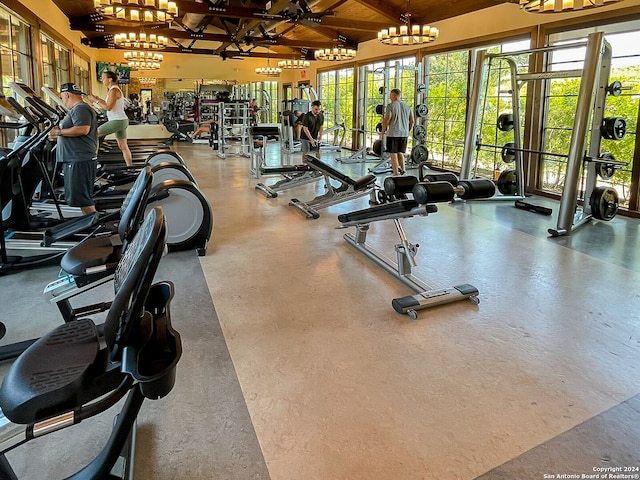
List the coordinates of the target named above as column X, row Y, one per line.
column 105, row 249
column 80, row 370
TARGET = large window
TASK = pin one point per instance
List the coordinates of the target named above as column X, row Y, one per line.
column 376, row 80
column 56, row 61
column 447, row 80
column 81, row 72
column 335, row 91
column 15, row 51
column 266, row 95
column 560, row 104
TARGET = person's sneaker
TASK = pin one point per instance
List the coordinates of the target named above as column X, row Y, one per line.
column 401, row 171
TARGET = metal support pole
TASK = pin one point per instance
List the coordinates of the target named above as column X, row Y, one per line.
column 517, row 131
column 569, row 198
column 471, row 129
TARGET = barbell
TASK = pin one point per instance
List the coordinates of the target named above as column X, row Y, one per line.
column 606, row 164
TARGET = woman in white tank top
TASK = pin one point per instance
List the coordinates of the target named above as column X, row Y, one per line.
column 117, row 118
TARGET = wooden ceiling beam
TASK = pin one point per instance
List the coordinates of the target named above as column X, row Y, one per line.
column 216, row 37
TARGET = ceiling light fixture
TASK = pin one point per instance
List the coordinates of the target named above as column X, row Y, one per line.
column 144, row 65
column 299, row 64
column 136, row 56
column 148, row 11
column 408, row 34
column 141, row 41
column 269, row 71
column 335, row 54
column 554, row 6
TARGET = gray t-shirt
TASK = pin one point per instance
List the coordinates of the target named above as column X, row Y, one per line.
column 399, row 119
column 83, row 148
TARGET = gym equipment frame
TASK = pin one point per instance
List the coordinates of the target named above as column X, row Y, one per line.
column 349, row 189
column 426, row 295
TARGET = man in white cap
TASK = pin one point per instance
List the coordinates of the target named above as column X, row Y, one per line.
column 77, row 148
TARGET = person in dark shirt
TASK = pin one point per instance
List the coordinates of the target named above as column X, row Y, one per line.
column 77, row 147
column 311, row 128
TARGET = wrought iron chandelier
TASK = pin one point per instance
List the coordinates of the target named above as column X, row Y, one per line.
column 148, row 11
column 141, row 41
column 408, row 34
column 293, row 64
column 551, row 6
column 335, row 54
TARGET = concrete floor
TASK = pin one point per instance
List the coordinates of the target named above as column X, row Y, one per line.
column 312, row 375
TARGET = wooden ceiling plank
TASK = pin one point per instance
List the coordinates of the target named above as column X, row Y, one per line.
column 382, row 7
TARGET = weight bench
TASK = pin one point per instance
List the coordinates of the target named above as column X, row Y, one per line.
column 294, row 176
column 348, row 190
column 397, row 187
column 259, row 135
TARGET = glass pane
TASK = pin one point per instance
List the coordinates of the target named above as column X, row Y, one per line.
column 5, row 39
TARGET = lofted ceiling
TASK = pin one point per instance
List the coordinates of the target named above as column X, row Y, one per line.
column 271, row 29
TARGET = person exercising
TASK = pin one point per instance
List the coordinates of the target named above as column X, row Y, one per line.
column 312, row 123
column 77, row 138
column 118, row 121
column 397, row 123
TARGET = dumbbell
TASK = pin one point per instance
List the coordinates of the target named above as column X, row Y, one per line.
column 434, row 192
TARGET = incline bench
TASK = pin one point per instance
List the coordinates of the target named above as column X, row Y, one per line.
column 348, row 189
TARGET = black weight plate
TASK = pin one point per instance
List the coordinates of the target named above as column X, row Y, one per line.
column 377, row 147
column 419, row 154
column 380, row 109
column 605, row 170
column 421, row 88
column 508, row 153
column 505, row 122
column 381, row 90
column 379, row 127
column 507, row 182
column 604, row 203
column 419, row 133
column 613, row 128
column 615, row 89
column 422, row 110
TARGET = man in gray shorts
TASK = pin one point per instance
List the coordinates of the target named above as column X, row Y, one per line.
column 397, row 123
column 311, row 128
column 77, row 138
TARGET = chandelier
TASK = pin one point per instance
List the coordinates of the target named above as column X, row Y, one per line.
column 269, row 71
column 335, row 54
column 143, row 65
column 408, row 34
column 135, row 56
column 294, row 63
column 543, row 6
column 148, row 11
column 141, row 41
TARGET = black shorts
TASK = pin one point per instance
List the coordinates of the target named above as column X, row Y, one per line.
column 396, row 144
column 79, row 178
